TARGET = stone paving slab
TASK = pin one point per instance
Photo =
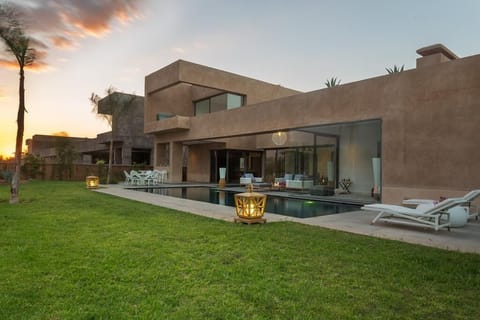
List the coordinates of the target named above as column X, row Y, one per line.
column 465, row 239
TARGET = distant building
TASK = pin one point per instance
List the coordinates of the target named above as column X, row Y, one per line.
column 130, row 145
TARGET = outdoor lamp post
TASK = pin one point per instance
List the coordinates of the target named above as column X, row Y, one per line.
column 250, row 206
column 92, row 182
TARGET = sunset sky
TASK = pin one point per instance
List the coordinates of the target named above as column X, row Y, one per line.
column 88, row 45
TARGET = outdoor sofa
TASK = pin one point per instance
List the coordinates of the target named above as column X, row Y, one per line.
column 249, row 178
column 297, row 181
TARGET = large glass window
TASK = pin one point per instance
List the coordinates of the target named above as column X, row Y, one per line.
column 224, row 101
column 218, row 103
column 202, row 107
column 299, row 160
column 234, row 101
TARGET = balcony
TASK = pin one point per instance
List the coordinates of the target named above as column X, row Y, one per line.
column 168, row 124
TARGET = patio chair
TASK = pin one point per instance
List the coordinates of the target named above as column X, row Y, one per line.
column 422, row 216
column 130, row 178
column 136, row 177
column 469, row 197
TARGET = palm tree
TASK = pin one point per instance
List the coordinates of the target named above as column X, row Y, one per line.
column 332, row 82
column 18, row 44
column 395, row 69
column 118, row 104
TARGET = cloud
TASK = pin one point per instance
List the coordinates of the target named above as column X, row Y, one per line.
column 61, row 134
column 62, row 42
column 178, row 50
column 63, row 22
column 37, row 66
column 9, row 64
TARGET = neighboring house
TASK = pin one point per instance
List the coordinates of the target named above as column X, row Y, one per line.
column 131, row 145
column 47, row 147
column 422, row 123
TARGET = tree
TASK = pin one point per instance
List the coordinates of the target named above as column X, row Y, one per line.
column 65, row 155
column 332, row 82
column 18, row 44
column 116, row 104
column 395, row 69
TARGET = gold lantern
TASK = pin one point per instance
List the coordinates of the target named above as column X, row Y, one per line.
column 250, row 207
column 92, row 182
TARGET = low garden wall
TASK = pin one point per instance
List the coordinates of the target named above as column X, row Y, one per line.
column 73, row 172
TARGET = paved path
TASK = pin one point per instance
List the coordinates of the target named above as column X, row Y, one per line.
column 466, row 239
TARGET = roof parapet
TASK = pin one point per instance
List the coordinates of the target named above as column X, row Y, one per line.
column 434, row 54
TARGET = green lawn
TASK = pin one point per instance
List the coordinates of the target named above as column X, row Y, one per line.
column 71, row 253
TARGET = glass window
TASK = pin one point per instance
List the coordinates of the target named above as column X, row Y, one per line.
column 225, row 101
column 218, row 103
column 202, row 107
column 234, row 101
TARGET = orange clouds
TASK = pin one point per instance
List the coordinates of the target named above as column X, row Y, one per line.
column 62, row 42
column 9, row 64
column 62, row 22
column 61, row 134
column 94, row 18
column 13, row 64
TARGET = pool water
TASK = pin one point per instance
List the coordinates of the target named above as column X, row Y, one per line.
column 280, row 205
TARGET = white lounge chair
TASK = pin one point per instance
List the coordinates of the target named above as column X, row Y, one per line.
column 422, row 216
column 469, row 197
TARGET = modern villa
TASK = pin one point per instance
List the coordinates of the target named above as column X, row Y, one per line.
column 418, row 128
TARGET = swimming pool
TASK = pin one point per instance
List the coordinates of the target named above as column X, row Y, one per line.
column 298, row 208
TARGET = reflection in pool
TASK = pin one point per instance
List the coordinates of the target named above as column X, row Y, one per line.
column 299, row 208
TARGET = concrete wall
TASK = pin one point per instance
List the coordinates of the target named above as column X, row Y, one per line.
column 199, row 163
column 174, row 88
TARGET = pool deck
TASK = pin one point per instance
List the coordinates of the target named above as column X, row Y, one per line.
column 465, row 239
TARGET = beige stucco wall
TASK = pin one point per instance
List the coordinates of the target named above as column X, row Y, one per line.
column 430, row 118
column 199, row 162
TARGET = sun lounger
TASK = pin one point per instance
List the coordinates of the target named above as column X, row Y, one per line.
column 469, row 197
column 422, row 216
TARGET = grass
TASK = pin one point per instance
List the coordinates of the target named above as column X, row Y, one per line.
column 71, row 253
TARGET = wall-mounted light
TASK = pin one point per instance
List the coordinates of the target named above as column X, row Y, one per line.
column 279, row 138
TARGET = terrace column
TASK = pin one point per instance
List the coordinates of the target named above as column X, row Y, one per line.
column 176, row 161
column 126, row 155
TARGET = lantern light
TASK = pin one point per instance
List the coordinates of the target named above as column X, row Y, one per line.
column 92, row 182
column 250, row 207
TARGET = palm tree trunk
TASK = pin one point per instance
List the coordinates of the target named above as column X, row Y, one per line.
column 15, row 186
